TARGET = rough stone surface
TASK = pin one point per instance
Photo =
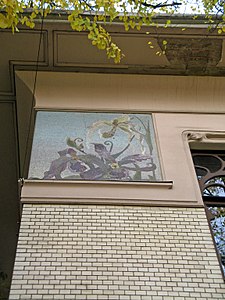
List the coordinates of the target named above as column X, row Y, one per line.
column 115, row 252
column 194, row 55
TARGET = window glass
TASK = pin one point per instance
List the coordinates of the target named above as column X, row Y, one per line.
column 217, row 223
column 94, row 146
column 210, row 171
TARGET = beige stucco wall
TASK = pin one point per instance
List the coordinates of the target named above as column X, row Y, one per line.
column 65, row 90
column 179, row 186
column 178, row 105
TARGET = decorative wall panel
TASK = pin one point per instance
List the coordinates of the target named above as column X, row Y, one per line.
column 94, row 146
column 134, row 46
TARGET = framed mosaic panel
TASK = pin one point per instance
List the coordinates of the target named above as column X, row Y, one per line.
column 94, row 146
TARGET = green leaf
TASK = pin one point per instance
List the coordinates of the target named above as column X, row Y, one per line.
column 4, row 23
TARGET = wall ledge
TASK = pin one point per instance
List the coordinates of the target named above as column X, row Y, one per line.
column 168, row 184
column 101, row 192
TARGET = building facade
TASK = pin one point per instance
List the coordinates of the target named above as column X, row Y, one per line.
column 110, row 205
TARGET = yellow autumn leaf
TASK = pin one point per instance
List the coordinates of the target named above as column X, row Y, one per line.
column 4, row 23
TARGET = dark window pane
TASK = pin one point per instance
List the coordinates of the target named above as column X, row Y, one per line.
column 212, row 163
column 200, row 172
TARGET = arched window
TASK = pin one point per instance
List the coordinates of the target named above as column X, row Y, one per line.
column 210, row 171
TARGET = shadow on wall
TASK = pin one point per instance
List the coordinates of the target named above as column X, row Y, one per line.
column 4, row 285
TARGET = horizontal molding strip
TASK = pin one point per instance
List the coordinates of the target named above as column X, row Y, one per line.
column 162, row 184
column 111, row 201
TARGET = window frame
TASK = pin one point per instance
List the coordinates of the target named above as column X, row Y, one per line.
column 209, row 143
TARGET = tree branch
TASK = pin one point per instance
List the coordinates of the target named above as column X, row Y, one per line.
column 161, row 5
column 92, row 8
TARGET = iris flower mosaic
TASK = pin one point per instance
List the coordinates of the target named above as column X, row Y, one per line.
column 94, row 146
